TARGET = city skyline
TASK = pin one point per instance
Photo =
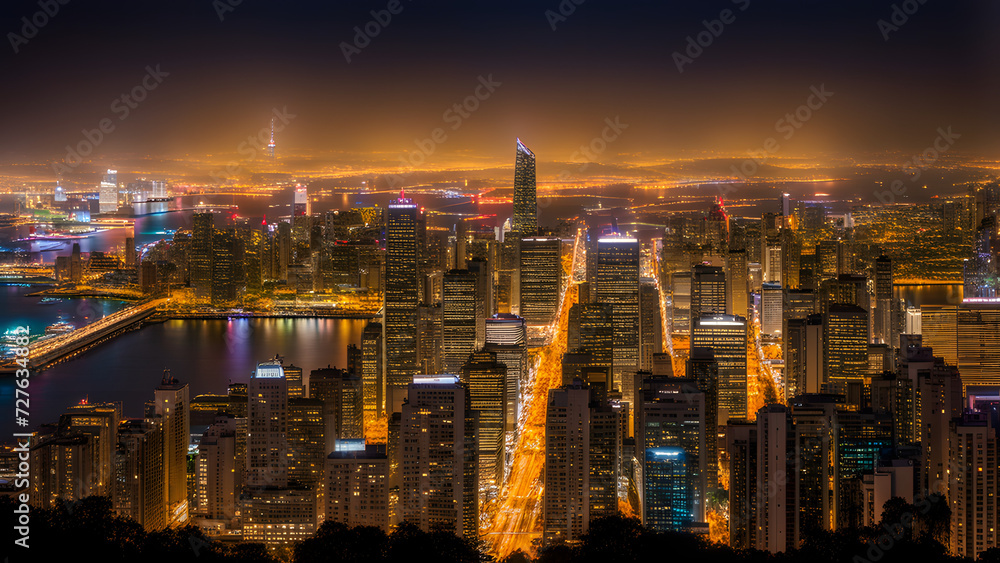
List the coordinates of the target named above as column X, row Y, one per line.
column 275, row 288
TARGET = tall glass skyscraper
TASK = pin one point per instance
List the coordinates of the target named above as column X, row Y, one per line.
column 402, row 292
column 667, row 496
column 525, row 206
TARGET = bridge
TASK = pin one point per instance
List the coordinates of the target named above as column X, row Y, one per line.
column 54, row 349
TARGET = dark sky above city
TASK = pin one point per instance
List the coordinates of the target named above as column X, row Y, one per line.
column 557, row 87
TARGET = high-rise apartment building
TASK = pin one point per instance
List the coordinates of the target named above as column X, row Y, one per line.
column 356, row 487
column 172, row 405
column 267, row 427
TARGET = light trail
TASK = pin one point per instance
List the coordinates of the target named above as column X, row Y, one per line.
column 516, row 518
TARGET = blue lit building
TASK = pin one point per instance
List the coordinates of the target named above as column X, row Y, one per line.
column 666, row 495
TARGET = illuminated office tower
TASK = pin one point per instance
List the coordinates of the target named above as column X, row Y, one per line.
column 565, row 503
column 99, row 421
column 650, row 323
column 458, row 325
column 974, row 481
column 815, row 447
column 372, row 377
column 438, row 461
column 486, row 380
column 342, row 394
column 775, row 438
column 803, row 349
column 138, row 468
column 667, row 494
column 506, row 337
column 736, row 282
column 882, row 325
column 862, row 436
column 772, row 306
column 845, row 347
column 356, row 488
column 540, row 280
column 228, row 274
column 670, row 413
column 525, row 207
column 108, row 195
column 267, row 427
column 591, row 329
column 306, row 441
column 726, row 335
column 618, row 285
column 979, row 344
column 200, row 254
column 939, row 330
column 60, row 192
column 703, row 370
column 402, row 292
column 741, row 448
column 218, row 478
column 173, row 405
column 708, row 291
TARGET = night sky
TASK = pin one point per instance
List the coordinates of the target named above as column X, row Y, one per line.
column 557, row 87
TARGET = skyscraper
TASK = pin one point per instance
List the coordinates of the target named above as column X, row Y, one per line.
column 372, row 375
column 540, row 280
column 485, row 379
column 666, row 492
column 845, row 347
column 726, row 335
column 172, row 404
column 138, row 488
column 565, row 506
column 438, row 458
column 979, row 343
column 525, row 207
column 507, row 338
column 708, row 291
column 402, row 292
column 618, row 285
column 200, row 255
column 458, row 318
column 267, row 431
column 882, row 325
column 357, row 486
